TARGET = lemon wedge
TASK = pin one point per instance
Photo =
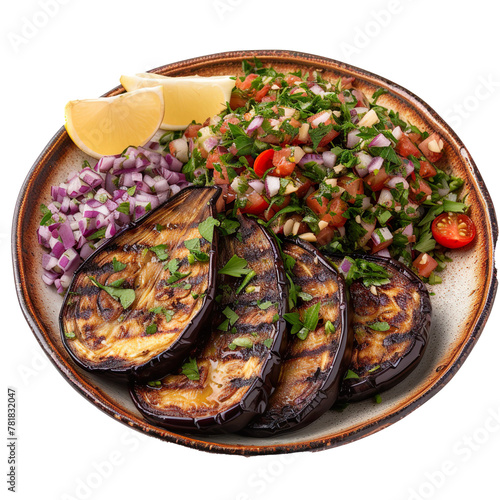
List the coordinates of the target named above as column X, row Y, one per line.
column 106, row 126
column 187, row 98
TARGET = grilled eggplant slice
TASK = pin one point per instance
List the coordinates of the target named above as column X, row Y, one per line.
column 239, row 365
column 391, row 324
column 131, row 308
column 312, row 368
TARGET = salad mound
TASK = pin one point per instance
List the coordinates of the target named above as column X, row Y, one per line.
column 307, row 156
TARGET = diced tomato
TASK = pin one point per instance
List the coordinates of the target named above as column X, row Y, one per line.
column 331, row 211
column 405, row 147
column 325, row 236
column 453, row 230
column 192, row 130
column 260, row 94
column 347, row 82
column 256, row 204
column 228, row 195
column 247, row 82
column 305, row 184
column 321, row 114
column 376, row 181
column 353, row 186
column 269, row 98
column 250, row 159
column 263, row 162
column 237, row 101
column 291, row 80
column 268, row 214
column 225, row 127
column 362, row 100
column 213, row 157
column 381, row 245
column 281, row 160
column 432, row 156
column 267, row 138
column 415, row 138
column 426, row 169
column 285, row 203
column 419, row 190
column 424, row 265
column 221, row 177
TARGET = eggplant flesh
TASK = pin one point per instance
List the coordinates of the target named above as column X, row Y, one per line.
column 382, row 359
column 234, row 381
column 156, row 331
column 312, row 369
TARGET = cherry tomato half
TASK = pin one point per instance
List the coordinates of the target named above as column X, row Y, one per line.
column 453, row 230
column 263, row 162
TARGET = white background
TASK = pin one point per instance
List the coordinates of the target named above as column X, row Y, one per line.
column 442, row 51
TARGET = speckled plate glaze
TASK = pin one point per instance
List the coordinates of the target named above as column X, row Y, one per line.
column 469, row 281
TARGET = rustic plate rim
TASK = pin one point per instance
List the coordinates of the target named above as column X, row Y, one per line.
column 76, row 381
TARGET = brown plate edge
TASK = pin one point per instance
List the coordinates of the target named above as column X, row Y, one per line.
column 95, row 396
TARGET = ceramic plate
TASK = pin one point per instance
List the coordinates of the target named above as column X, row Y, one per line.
column 470, row 280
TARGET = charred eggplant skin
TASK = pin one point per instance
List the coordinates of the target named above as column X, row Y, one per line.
column 255, row 400
column 391, row 373
column 174, row 355
column 267, row 424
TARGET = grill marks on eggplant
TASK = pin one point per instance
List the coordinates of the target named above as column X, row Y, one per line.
column 235, row 381
column 312, row 369
column 381, row 359
column 109, row 337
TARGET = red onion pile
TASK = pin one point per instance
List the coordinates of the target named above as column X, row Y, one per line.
column 94, row 203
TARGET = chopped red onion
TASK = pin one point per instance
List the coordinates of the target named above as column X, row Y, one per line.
column 311, row 157
column 394, row 181
column 352, row 138
column 322, row 118
column 329, row 159
column 272, row 185
column 397, row 133
column 255, row 124
column 385, row 198
column 375, row 164
column 408, row 230
column 89, row 200
column 383, row 253
column 380, row 141
column 409, row 167
column 257, row 185
column 345, row 265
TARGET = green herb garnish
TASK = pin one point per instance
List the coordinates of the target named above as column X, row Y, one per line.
column 125, row 296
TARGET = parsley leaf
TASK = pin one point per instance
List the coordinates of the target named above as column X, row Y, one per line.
column 235, row 266
column 206, row 228
column 230, row 315
column 160, row 251
column 317, row 134
column 194, row 247
column 176, row 276
column 241, row 342
column 151, row 329
column 168, row 313
column 350, row 374
column 380, row 326
column 125, row 296
column 118, row 266
column 190, row 369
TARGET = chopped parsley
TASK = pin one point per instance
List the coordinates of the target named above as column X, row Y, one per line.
column 190, row 369
column 206, row 228
column 235, row 266
column 125, row 296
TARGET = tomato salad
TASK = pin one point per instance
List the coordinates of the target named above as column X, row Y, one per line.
column 321, row 160
column 306, row 156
